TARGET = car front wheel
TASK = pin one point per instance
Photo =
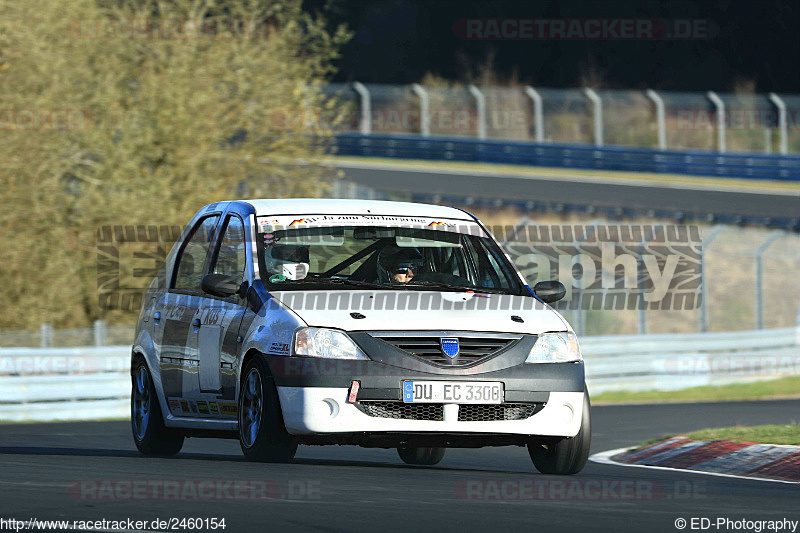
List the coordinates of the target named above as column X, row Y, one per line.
column 262, row 433
column 565, row 456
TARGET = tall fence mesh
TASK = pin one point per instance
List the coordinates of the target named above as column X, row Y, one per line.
column 691, row 120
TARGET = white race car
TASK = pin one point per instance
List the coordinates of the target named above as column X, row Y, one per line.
column 388, row 324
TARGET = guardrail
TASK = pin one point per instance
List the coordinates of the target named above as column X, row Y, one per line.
column 64, row 383
column 753, row 166
column 679, row 361
column 93, row 382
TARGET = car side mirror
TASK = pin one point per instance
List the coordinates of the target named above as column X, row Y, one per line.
column 549, row 291
column 220, row 285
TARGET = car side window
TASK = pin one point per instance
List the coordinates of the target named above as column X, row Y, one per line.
column 192, row 258
column 490, row 273
column 231, row 256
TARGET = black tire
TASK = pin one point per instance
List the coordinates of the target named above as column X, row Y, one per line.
column 150, row 434
column 566, row 456
column 421, row 456
column 262, row 433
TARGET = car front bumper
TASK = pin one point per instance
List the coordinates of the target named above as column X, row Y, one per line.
column 325, row 411
column 543, row 399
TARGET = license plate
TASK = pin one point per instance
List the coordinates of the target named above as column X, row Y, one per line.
column 461, row 392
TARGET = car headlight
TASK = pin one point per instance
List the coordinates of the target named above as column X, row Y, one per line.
column 555, row 348
column 322, row 342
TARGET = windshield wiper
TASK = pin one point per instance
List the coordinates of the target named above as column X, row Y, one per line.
column 344, row 281
column 427, row 283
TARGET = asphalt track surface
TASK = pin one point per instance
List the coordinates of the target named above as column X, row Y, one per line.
column 579, row 191
column 356, row 489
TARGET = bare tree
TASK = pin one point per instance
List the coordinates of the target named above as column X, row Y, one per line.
column 138, row 112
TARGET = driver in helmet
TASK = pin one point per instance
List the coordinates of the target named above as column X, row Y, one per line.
column 401, row 264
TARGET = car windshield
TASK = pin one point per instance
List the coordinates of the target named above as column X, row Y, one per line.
column 378, row 257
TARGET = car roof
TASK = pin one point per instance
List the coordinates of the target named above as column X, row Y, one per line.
column 321, row 206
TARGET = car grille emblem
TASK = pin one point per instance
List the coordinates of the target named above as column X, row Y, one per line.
column 449, row 347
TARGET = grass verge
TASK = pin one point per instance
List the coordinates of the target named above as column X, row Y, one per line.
column 759, row 390
column 767, row 434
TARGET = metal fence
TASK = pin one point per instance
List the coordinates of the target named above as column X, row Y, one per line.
column 93, row 382
column 748, row 281
column 720, row 122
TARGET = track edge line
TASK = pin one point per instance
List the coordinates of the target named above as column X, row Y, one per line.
column 605, row 458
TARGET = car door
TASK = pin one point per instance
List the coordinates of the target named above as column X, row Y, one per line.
column 179, row 314
column 220, row 318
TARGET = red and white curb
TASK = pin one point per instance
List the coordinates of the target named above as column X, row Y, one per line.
column 764, row 462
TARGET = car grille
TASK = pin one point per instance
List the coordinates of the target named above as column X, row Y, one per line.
column 405, row 411
column 473, row 348
column 435, row 411
column 495, row 412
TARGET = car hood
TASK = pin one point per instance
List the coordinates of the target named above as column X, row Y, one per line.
column 421, row 310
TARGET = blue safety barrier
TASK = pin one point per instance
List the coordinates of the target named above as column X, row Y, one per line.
column 735, row 165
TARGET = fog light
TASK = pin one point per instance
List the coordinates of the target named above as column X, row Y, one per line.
column 327, row 408
column 567, row 413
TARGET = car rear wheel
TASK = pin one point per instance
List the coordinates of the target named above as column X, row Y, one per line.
column 421, row 456
column 565, row 456
column 262, row 433
column 150, row 434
